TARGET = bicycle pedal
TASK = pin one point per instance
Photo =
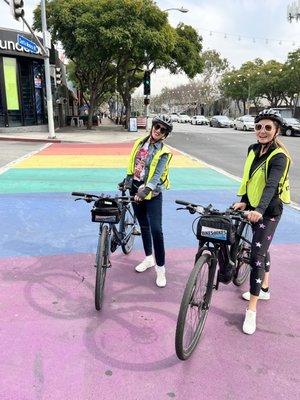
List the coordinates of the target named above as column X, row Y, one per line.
column 136, row 232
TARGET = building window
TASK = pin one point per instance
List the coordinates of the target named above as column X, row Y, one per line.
column 11, row 90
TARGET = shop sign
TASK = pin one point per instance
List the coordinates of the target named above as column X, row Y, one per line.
column 9, row 44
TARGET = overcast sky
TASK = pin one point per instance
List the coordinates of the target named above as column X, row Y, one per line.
column 240, row 30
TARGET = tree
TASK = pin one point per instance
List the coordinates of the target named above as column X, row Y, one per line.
column 271, row 82
column 109, row 39
column 77, row 24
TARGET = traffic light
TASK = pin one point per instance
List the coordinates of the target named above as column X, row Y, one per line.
column 16, row 7
column 58, row 75
column 147, row 83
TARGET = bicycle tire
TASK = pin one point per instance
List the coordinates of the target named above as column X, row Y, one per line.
column 243, row 255
column 127, row 223
column 202, row 304
column 101, row 266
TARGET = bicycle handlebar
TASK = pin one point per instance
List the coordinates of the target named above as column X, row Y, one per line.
column 90, row 197
column 234, row 214
column 79, row 194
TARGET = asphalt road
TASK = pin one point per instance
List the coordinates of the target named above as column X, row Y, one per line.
column 226, row 148
column 11, row 151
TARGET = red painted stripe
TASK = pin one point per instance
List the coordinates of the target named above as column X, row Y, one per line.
column 89, row 149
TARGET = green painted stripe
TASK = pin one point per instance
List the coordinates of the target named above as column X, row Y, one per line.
column 83, row 179
column 200, row 178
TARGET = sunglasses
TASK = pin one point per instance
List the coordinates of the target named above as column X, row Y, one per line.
column 160, row 128
column 267, row 128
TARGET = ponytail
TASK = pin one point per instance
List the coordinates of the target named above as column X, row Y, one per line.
column 283, row 147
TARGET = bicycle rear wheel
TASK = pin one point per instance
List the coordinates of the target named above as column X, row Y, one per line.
column 127, row 224
column 101, row 265
column 243, row 254
column 194, row 306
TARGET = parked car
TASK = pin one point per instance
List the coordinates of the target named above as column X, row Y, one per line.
column 291, row 127
column 221, row 121
column 184, row 118
column 174, row 117
column 199, row 120
column 246, row 123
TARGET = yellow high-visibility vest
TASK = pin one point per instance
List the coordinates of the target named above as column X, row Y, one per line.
column 165, row 175
column 254, row 186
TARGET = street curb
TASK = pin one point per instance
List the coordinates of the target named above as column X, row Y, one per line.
column 20, row 139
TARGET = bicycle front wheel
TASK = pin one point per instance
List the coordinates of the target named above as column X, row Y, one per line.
column 194, row 306
column 101, row 265
column 127, row 224
column 243, row 255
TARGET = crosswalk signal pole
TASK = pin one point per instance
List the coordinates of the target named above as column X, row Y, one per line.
column 147, row 92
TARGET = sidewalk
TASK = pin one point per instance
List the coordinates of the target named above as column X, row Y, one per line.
column 107, row 132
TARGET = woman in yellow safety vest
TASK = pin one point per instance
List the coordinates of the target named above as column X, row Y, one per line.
column 264, row 187
column 147, row 174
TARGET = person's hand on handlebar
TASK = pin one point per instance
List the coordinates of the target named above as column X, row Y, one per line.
column 239, row 206
column 254, row 216
column 142, row 192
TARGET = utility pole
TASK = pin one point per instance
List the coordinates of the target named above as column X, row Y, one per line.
column 47, row 75
column 18, row 12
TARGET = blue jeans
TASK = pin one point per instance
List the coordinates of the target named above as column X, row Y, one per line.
column 149, row 215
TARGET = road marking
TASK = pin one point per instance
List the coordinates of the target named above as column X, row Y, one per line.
column 12, row 163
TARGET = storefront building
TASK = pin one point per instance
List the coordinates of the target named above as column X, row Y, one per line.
column 22, row 85
column 21, row 82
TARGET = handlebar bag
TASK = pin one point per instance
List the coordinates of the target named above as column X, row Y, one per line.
column 215, row 229
column 106, row 210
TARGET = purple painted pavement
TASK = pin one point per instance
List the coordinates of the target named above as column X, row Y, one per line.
column 54, row 345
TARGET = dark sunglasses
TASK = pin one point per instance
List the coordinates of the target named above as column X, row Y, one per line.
column 160, row 128
column 267, row 128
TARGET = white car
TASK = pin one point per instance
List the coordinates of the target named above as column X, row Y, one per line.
column 199, row 120
column 184, row 118
column 174, row 117
column 245, row 123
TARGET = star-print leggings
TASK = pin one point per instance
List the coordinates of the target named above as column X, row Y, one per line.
column 263, row 232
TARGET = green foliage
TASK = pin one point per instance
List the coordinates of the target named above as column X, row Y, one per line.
column 111, row 42
column 186, row 53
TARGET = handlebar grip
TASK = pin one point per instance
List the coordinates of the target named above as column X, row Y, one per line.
column 183, row 203
column 78, row 194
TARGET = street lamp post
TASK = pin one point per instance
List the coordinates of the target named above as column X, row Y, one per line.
column 183, row 10
column 293, row 11
column 47, row 75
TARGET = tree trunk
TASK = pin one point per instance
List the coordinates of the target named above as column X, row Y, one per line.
column 244, row 106
column 89, row 124
column 128, row 111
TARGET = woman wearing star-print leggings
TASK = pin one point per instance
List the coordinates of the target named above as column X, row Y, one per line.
column 264, row 188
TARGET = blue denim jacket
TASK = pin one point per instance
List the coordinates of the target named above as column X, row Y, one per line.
column 155, row 183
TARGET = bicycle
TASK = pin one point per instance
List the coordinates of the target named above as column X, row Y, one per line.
column 118, row 227
column 224, row 246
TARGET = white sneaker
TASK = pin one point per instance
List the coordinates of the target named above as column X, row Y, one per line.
column 262, row 295
column 249, row 325
column 160, row 276
column 148, row 262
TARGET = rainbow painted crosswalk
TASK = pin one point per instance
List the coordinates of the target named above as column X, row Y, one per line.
column 51, row 334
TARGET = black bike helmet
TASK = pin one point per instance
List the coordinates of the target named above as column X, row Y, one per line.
column 164, row 120
column 269, row 114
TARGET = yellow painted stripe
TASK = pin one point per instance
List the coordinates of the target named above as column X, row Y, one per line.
column 67, row 161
